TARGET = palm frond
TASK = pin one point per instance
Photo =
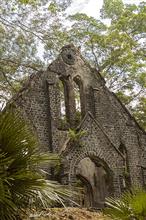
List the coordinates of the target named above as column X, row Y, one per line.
column 131, row 205
column 22, row 184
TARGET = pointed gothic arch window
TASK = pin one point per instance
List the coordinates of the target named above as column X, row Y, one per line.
column 92, row 100
column 62, row 100
column 79, row 99
column 122, row 149
column 126, row 175
column 72, row 102
column 62, row 107
column 77, row 104
column 143, row 169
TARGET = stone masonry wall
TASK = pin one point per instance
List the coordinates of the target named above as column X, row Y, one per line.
column 108, row 123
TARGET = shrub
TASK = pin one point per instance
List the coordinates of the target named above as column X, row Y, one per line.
column 22, row 183
column 131, row 205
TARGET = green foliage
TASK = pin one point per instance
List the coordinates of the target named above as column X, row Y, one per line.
column 33, row 31
column 132, row 205
column 22, row 183
column 63, row 124
column 140, row 112
column 77, row 118
column 118, row 49
column 53, row 8
column 26, row 28
column 27, row 1
column 112, row 9
column 76, row 135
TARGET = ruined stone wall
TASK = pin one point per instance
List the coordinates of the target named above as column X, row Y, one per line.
column 113, row 117
column 34, row 106
column 113, row 136
column 96, row 145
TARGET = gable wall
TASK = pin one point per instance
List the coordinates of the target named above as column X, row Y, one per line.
column 40, row 103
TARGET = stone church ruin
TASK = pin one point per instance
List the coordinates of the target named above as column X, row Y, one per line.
column 74, row 114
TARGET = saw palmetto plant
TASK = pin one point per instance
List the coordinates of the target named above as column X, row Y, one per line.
column 131, row 205
column 22, row 183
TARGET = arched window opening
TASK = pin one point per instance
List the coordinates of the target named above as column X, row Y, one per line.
column 122, row 183
column 122, row 149
column 62, row 112
column 92, row 100
column 62, row 100
column 77, row 104
column 79, row 99
column 143, row 169
column 126, row 175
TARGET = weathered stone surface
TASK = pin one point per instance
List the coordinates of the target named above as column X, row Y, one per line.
column 113, row 139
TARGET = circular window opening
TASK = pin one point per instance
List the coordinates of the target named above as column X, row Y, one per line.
column 69, row 56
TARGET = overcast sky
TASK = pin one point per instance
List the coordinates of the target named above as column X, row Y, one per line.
column 91, row 7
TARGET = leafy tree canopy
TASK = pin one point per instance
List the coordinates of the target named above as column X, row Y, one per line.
column 33, row 31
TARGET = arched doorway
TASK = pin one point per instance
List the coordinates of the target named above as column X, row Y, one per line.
column 95, row 180
column 85, row 198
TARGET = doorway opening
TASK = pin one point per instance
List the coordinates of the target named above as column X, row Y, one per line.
column 95, row 181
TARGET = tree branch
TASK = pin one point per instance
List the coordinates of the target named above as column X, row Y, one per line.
column 9, row 83
column 95, row 57
column 20, row 64
column 25, row 29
